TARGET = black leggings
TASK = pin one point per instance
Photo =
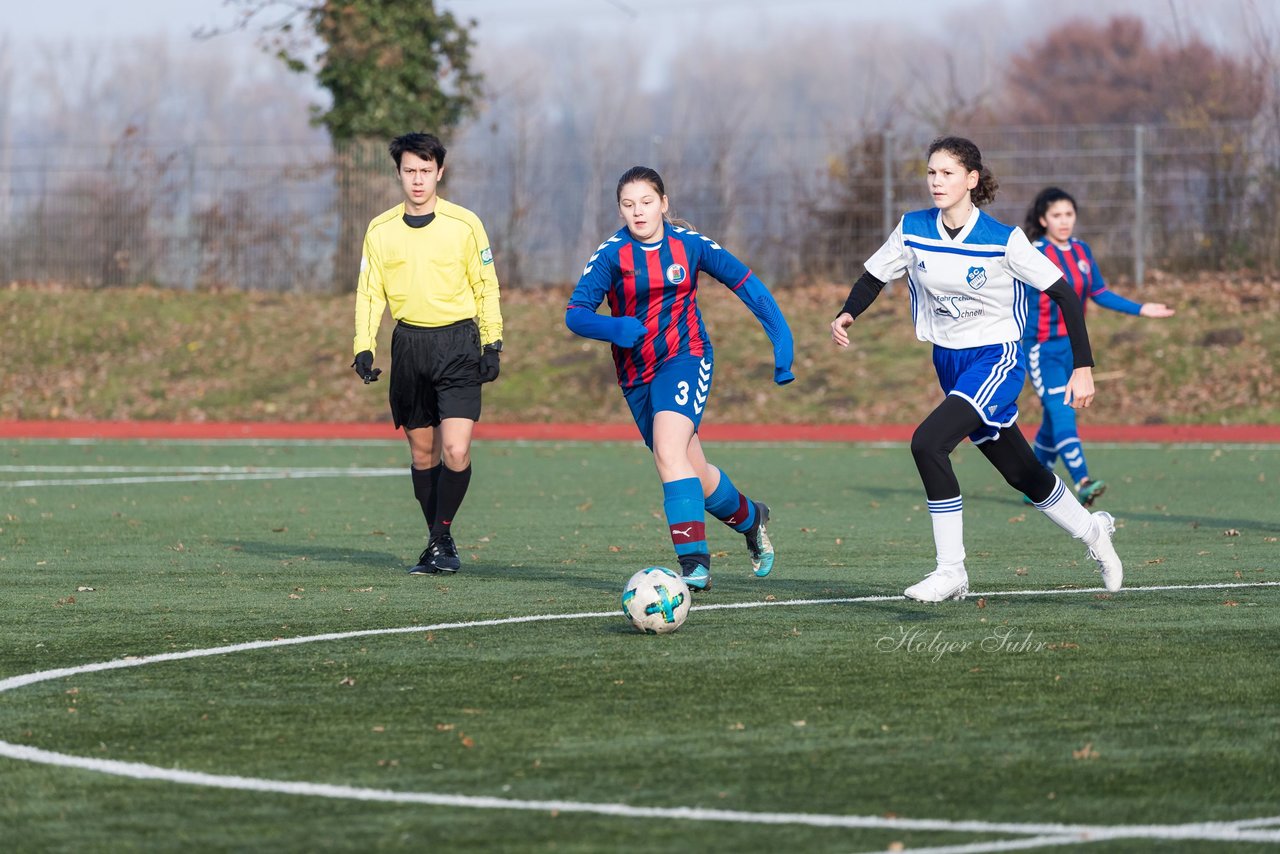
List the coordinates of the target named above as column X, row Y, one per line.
column 938, row 435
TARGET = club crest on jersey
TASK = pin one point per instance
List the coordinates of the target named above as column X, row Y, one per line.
column 676, row 274
column 976, row 277
column 1083, row 266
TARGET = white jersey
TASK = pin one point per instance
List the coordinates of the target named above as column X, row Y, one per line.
column 966, row 291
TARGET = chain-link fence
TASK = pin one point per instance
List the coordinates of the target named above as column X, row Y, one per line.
column 289, row 218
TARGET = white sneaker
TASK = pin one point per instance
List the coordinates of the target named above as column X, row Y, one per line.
column 940, row 585
column 1105, row 554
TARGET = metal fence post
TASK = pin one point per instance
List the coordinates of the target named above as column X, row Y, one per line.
column 887, row 222
column 1139, row 208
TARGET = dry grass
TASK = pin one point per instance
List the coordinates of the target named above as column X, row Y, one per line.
column 157, row 354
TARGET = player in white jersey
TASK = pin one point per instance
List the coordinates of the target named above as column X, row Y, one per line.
column 964, row 273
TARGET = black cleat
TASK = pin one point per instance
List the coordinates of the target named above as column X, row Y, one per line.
column 440, row 555
column 424, row 566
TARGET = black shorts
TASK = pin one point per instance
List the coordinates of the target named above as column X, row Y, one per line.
column 435, row 373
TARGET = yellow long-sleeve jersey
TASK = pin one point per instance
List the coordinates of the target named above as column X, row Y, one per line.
column 430, row 276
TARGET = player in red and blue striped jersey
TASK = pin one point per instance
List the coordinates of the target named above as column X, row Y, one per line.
column 647, row 272
column 1050, row 225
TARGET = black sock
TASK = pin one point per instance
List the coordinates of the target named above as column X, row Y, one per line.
column 451, row 489
column 424, row 489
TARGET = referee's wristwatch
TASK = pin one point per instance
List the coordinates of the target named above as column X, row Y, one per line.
column 495, row 346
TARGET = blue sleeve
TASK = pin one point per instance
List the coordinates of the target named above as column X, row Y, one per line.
column 1099, row 293
column 756, row 296
column 1115, row 302
column 722, row 264
column 580, row 314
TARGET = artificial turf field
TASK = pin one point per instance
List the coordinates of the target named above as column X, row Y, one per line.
column 1039, row 713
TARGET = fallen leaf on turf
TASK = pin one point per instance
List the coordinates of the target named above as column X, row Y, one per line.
column 982, row 602
column 1086, row 752
column 443, row 727
column 738, row 725
column 1022, row 570
column 1231, row 532
column 294, row 596
column 797, row 723
column 1239, row 574
column 299, row 590
column 897, row 846
column 615, row 549
column 1231, row 603
column 769, row 597
column 362, row 590
column 348, row 681
column 467, row 741
column 1021, row 517
column 84, row 589
column 1155, row 561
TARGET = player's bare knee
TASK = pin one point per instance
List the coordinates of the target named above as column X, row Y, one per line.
column 457, row 456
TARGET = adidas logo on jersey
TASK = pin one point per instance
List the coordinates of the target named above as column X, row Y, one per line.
column 920, row 266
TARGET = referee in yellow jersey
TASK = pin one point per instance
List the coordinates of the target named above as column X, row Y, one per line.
column 430, row 261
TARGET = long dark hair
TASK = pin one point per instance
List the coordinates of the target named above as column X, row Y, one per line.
column 970, row 158
column 1044, row 199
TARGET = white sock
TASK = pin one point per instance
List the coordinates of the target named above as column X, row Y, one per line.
column 1065, row 511
column 948, row 533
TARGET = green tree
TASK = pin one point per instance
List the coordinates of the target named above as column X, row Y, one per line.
column 390, row 67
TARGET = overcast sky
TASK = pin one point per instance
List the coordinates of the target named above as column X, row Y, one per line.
column 24, row 21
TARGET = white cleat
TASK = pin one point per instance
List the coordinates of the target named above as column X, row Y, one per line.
column 939, row 586
column 1105, row 553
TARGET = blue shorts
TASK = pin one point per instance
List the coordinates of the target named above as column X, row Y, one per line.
column 681, row 385
column 989, row 378
column 1049, row 365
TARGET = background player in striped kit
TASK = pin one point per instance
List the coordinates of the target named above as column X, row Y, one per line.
column 430, row 260
column 1050, row 224
column 963, row 269
column 648, row 272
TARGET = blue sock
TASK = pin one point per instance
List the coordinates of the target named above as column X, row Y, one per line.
column 730, row 506
column 682, row 502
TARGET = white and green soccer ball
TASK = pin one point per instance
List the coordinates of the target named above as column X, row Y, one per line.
column 656, row 600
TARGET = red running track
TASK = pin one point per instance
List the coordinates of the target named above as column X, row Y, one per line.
column 1160, row 433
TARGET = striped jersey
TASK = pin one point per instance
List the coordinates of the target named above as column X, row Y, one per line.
column 1044, row 320
column 657, row 284
column 966, row 291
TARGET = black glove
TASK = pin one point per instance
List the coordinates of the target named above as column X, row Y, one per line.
column 364, row 367
column 489, row 362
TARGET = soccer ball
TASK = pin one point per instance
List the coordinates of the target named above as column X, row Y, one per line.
column 656, row 600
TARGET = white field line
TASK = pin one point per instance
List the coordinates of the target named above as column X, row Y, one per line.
column 191, row 474
column 1004, row 845
column 1251, row 830
column 525, row 443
